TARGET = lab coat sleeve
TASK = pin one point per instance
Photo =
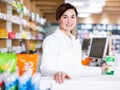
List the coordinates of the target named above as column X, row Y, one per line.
column 50, row 50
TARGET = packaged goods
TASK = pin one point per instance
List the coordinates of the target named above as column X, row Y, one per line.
column 35, row 82
column 7, row 62
column 3, row 33
column 1, row 82
column 11, row 35
column 11, row 81
column 110, row 60
column 25, row 80
column 87, row 61
column 26, row 62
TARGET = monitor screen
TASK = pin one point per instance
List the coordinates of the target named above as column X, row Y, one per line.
column 98, row 47
column 85, row 44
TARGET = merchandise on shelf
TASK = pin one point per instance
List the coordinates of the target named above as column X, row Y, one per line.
column 11, row 35
column 26, row 62
column 110, row 60
column 11, row 81
column 7, row 62
column 3, row 33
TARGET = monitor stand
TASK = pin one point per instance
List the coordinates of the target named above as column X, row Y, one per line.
column 96, row 62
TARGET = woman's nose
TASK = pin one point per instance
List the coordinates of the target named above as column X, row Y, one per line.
column 69, row 20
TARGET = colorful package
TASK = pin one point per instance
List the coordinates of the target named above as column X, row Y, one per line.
column 3, row 33
column 1, row 82
column 7, row 62
column 25, row 81
column 87, row 61
column 35, row 82
column 11, row 35
column 110, row 60
column 32, row 46
column 11, row 81
column 26, row 62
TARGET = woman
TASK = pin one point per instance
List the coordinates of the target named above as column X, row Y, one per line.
column 61, row 51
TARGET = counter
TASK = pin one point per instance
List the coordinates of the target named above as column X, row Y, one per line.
column 102, row 82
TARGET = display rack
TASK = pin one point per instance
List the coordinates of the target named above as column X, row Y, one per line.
column 15, row 27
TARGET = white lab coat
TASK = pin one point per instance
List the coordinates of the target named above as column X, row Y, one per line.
column 61, row 53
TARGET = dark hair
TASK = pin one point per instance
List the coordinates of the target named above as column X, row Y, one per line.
column 62, row 8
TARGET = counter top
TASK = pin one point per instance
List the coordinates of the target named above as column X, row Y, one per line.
column 102, row 82
column 86, row 78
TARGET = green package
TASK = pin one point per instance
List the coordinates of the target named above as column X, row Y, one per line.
column 7, row 62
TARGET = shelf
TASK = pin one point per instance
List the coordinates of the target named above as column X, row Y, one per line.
column 3, row 8
column 3, row 24
column 15, row 13
column 18, row 28
column 15, row 28
column 3, row 44
column 15, row 42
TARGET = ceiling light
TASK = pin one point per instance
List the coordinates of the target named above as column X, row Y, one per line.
column 89, row 10
column 66, row 1
column 84, row 14
column 88, row 6
column 78, row 3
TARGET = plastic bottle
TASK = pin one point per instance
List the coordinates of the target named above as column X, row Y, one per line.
column 1, row 82
column 25, row 81
column 11, row 81
column 35, row 82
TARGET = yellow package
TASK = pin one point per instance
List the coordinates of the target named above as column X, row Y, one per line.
column 3, row 33
column 27, row 62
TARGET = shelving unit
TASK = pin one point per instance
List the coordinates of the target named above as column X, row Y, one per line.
column 115, row 44
column 15, row 27
column 3, row 26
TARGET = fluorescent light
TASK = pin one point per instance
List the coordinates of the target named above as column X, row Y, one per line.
column 78, row 3
column 97, row 4
column 88, row 6
column 66, row 1
column 89, row 10
column 84, row 14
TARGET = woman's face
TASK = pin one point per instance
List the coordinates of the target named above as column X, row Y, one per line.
column 68, row 20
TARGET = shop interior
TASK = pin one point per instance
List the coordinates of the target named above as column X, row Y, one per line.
column 24, row 24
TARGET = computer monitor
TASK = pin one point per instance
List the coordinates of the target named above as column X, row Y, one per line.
column 98, row 49
column 85, row 44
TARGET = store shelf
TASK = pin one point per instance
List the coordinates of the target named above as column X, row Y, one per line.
column 16, row 25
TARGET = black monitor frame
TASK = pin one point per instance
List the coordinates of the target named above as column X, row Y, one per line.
column 85, row 44
column 98, row 48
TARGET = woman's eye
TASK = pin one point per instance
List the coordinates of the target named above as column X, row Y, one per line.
column 64, row 17
column 73, row 17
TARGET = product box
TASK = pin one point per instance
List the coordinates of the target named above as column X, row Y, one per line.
column 27, row 62
column 11, row 35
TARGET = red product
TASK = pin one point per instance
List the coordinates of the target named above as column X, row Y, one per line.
column 1, row 85
column 11, row 35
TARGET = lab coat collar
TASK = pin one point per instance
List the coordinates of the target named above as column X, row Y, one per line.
column 59, row 31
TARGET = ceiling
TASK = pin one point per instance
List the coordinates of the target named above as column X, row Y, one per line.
column 47, row 8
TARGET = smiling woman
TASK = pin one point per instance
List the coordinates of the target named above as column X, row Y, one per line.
column 61, row 51
column 66, row 17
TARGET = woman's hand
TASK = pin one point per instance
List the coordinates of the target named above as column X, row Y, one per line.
column 59, row 77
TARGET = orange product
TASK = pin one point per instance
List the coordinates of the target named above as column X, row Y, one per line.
column 27, row 62
column 32, row 25
column 86, row 61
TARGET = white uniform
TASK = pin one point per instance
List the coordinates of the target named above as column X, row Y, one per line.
column 61, row 53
